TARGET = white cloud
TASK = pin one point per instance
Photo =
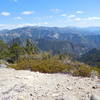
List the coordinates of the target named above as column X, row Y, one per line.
column 43, row 17
column 5, row 13
column 87, row 19
column 56, row 10
column 28, row 12
column 64, row 15
column 79, row 12
column 92, row 18
column 13, row 26
column 71, row 16
column 77, row 19
column 41, row 24
column 18, row 18
column 47, row 17
column 86, row 24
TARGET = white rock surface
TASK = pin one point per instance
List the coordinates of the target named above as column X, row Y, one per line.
column 3, row 66
column 26, row 85
column 95, row 97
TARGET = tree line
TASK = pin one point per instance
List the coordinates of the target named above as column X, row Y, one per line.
column 12, row 50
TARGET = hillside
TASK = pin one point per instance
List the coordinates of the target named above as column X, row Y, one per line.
column 92, row 57
column 60, row 46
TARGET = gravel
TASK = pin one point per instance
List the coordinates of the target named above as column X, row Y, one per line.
column 26, row 85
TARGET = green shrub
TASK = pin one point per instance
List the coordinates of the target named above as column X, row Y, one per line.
column 45, row 66
column 53, row 65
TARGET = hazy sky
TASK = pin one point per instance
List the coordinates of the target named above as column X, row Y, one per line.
column 82, row 13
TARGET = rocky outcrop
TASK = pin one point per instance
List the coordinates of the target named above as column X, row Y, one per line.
column 26, row 85
column 95, row 97
column 3, row 66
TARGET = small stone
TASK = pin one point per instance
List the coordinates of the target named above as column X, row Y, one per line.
column 59, row 99
column 95, row 97
column 94, row 87
column 31, row 94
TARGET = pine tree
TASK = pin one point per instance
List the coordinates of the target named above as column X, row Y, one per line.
column 3, row 50
column 31, row 47
column 16, row 50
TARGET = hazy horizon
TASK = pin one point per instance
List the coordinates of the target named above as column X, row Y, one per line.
column 51, row 13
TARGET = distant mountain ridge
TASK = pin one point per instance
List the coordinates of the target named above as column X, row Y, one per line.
column 60, row 38
column 60, row 47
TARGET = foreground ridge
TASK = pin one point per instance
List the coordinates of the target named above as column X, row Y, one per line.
column 26, row 85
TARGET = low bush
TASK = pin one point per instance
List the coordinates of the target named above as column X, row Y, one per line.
column 45, row 66
column 54, row 65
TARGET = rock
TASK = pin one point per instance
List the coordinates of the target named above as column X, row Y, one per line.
column 96, row 86
column 60, row 99
column 70, row 97
column 95, row 97
column 26, row 85
column 69, row 87
column 31, row 94
column 4, row 62
column 94, row 75
column 3, row 66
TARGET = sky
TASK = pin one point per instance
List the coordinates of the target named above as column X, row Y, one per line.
column 53, row 13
